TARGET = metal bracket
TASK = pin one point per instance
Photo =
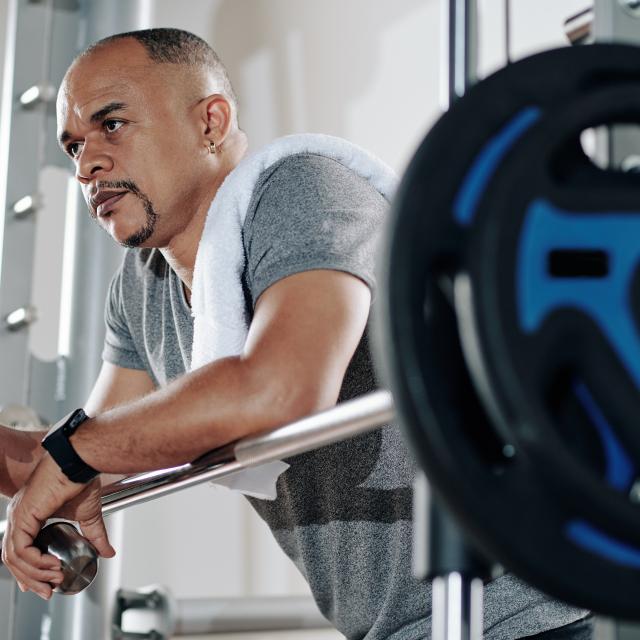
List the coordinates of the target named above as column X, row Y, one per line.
column 159, row 608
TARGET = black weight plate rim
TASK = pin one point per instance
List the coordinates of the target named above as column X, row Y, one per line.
column 506, row 369
column 408, row 394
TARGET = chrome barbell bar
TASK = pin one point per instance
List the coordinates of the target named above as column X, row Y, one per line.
column 344, row 421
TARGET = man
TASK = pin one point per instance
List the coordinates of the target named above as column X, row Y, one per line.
column 149, row 120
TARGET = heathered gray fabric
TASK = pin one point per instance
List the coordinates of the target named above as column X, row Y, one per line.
column 343, row 512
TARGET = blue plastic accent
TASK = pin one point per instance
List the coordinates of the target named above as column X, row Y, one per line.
column 607, row 300
column 620, row 471
column 591, row 539
column 487, row 161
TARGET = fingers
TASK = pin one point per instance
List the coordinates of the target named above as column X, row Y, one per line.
column 40, row 582
column 33, row 570
column 95, row 531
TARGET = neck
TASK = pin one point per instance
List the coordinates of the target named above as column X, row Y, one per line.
column 181, row 252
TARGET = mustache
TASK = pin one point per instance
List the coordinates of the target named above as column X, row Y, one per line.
column 128, row 185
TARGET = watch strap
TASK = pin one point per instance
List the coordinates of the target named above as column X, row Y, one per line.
column 57, row 443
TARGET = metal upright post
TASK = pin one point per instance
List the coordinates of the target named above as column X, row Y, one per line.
column 618, row 21
column 619, row 148
column 459, row 51
column 443, row 554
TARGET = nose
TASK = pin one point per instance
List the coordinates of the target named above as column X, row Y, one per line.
column 93, row 162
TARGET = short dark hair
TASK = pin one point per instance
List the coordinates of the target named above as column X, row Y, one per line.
column 175, row 46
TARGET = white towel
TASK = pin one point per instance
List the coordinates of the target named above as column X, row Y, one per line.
column 218, row 306
column 217, row 300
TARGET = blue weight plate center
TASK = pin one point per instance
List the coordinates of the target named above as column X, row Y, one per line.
column 606, row 299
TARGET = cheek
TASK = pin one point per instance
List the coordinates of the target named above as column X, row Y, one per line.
column 165, row 169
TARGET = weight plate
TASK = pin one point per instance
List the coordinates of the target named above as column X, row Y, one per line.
column 509, row 267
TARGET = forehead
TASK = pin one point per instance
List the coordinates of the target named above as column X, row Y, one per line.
column 120, row 71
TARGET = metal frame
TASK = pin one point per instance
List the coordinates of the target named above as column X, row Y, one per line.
column 456, row 591
column 153, row 612
column 619, row 147
column 460, row 55
column 616, row 21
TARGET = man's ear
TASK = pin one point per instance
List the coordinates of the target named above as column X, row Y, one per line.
column 217, row 116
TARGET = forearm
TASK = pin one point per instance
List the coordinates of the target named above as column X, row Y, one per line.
column 20, row 452
column 202, row 410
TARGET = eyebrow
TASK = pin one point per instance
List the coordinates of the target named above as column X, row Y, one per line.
column 96, row 116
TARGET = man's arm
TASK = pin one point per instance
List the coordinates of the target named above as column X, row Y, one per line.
column 116, row 386
column 21, row 450
column 305, row 330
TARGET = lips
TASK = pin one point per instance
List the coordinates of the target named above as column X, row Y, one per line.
column 104, row 201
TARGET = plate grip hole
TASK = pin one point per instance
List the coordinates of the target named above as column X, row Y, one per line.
column 578, row 263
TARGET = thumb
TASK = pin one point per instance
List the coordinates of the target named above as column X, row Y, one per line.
column 95, row 531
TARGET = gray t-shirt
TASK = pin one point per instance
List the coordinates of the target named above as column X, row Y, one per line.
column 343, row 512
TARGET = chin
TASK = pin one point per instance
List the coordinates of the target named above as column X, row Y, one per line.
column 133, row 238
column 136, row 241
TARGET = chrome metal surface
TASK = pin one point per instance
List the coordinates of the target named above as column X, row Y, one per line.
column 457, row 608
column 579, row 27
column 235, row 615
column 421, row 528
column 617, row 146
column 20, row 318
column 460, row 55
column 155, row 609
column 78, row 557
column 632, row 7
column 631, row 164
column 26, row 206
column 616, row 21
column 38, row 94
column 344, row 421
column 150, row 613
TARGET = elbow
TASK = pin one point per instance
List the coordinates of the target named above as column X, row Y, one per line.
column 284, row 399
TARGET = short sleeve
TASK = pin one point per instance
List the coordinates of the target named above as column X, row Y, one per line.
column 311, row 212
column 119, row 347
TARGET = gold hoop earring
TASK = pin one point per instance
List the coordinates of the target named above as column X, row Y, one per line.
column 212, row 147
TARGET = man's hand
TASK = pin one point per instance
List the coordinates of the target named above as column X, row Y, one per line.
column 49, row 492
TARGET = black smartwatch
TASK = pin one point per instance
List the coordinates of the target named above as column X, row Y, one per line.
column 56, row 442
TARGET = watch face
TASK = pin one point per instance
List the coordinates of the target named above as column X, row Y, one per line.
column 73, row 421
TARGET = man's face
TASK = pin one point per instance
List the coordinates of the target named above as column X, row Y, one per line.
column 130, row 128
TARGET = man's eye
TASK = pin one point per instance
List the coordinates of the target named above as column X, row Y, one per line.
column 111, row 126
column 74, row 149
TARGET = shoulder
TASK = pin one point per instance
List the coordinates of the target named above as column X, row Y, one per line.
column 310, row 172
column 308, row 183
